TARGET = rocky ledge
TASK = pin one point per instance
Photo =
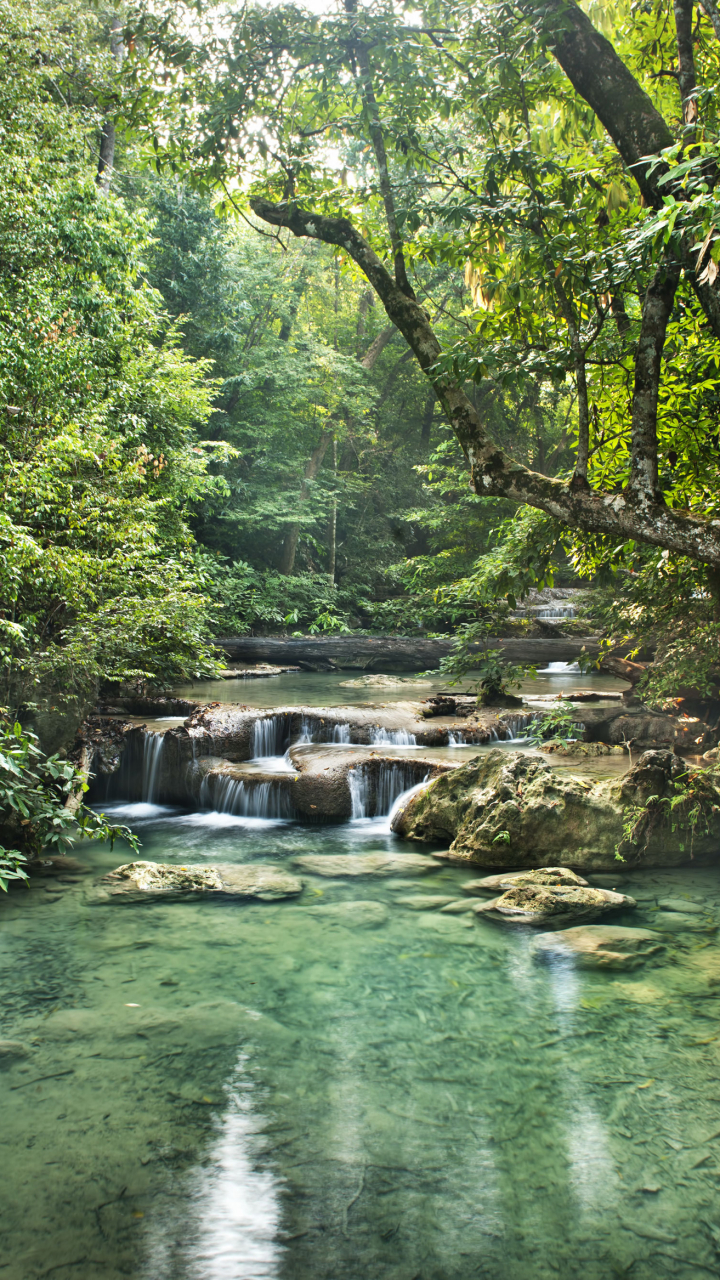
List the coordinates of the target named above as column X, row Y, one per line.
column 147, row 881
column 508, row 809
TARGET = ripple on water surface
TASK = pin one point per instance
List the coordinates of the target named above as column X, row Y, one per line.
column 342, row 1086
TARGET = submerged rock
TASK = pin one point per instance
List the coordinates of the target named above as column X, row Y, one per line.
column 511, row 809
column 426, row 901
column 140, row 881
column 601, row 946
column 541, row 876
column 11, row 1051
column 366, row 864
column 536, row 904
column 359, row 914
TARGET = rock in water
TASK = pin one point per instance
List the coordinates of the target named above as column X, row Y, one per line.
column 142, row 881
column 425, row 901
column 367, row 864
column 542, row 876
column 510, row 809
column 358, row 914
column 11, row 1050
column 601, row 946
column 538, row 904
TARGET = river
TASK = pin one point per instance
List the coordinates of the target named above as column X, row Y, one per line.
column 344, row 1087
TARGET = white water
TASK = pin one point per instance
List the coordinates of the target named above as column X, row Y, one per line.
column 269, row 737
column 392, row 738
column 152, row 753
column 240, row 799
column 559, row 669
column 393, row 781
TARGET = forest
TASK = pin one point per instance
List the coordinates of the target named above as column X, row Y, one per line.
column 360, row 636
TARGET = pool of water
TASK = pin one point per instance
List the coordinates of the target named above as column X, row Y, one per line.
column 323, row 689
column 339, row 1087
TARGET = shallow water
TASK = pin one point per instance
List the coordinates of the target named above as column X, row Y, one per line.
column 324, row 689
column 319, row 1089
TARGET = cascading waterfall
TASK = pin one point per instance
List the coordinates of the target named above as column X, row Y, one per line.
column 559, row 669
column 392, row 738
column 270, row 736
column 341, row 734
column 152, row 754
column 246, row 800
column 311, row 730
column 391, row 782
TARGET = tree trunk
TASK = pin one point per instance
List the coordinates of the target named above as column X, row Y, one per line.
column 290, row 543
column 332, row 532
column 106, row 156
column 427, row 418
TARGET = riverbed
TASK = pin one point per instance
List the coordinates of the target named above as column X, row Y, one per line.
column 343, row 1086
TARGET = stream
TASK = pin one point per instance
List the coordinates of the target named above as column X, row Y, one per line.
column 343, row 1086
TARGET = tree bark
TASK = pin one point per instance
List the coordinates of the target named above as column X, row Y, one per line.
column 106, row 156
column 656, row 311
column 493, row 472
column 427, row 420
column 332, row 532
column 687, row 79
column 290, row 543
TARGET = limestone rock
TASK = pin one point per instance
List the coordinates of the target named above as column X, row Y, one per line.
column 367, row 864
column 541, row 876
column 680, row 904
column 141, row 881
column 426, row 901
column 506, row 808
column 11, row 1051
column 537, row 904
column 601, row 946
column 580, row 749
column 358, row 914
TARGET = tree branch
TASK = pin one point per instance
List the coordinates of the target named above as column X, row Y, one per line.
column 493, row 472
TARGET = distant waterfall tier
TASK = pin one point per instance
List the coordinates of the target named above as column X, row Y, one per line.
column 270, row 736
column 152, row 755
column 392, row 738
column 314, row 729
column 242, row 799
column 374, row 792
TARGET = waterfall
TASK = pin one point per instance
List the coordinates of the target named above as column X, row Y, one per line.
column 248, row 800
column 456, row 740
column 152, row 752
column 403, row 798
column 359, row 793
column 270, row 735
column 559, row 669
column 391, row 781
column 311, row 730
column 341, row 733
column 392, row 738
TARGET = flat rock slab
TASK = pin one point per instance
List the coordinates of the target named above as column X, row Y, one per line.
column 144, row 881
column 360, row 914
column 425, row 901
column 680, row 904
column 551, row 876
column 367, row 864
column 678, row 920
column 601, row 946
column 540, row 904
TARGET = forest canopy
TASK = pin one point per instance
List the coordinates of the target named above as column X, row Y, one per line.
column 275, row 283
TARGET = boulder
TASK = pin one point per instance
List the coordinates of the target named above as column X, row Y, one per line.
column 511, row 809
column 579, row 750
column 538, row 904
column 542, row 876
column 601, row 946
column 143, row 881
column 366, row 864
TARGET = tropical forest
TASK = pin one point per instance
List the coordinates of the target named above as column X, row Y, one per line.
column 360, row 631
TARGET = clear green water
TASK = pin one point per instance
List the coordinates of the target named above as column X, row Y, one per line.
column 315, row 1091
column 316, row 689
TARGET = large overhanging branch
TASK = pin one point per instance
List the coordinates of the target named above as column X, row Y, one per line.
column 632, row 514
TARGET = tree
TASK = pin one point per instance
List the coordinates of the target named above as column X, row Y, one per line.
column 454, row 114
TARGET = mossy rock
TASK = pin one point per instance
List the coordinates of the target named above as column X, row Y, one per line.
column 539, row 904
column 510, row 809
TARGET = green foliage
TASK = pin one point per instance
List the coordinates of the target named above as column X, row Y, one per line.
column 490, row 674
column 560, row 725
column 39, row 799
column 696, row 797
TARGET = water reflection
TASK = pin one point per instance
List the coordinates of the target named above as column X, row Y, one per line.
column 228, row 1224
